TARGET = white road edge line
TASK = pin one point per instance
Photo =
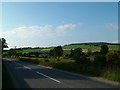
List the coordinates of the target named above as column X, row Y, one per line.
column 27, row 67
column 48, row 77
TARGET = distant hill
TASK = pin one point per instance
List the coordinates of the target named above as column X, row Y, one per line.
column 68, row 46
column 94, row 43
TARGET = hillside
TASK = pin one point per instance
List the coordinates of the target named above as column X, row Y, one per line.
column 94, row 46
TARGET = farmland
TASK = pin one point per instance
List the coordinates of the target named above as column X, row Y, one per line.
column 69, row 47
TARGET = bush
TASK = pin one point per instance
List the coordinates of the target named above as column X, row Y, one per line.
column 77, row 54
column 47, row 61
column 71, row 53
column 83, row 59
column 51, row 53
column 96, row 53
column 112, row 73
column 104, row 49
column 99, row 61
column 113, row 58
column 89, row 51
column 58, row 51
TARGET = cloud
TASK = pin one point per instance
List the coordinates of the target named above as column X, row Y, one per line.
column 30, row 32
column 36, row 35
column 112, row 26
column 38, row 31
column 67, row 27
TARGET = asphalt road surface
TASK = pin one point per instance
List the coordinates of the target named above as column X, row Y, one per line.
column 27, row 75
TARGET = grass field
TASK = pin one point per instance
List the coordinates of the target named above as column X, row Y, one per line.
column 69, row 47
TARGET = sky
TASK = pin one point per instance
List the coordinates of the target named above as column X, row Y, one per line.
column 47, row 24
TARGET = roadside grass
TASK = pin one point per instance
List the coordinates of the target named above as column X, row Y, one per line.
column 68, row 64
column 111, row 73
column 6, row 78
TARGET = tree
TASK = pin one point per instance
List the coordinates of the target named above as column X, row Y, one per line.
column 100, row 61
column 51, row 53
column 24, row 55
column 11, row 52
column 77, row 54
column 58, row 51
column 113, row 58
column 71, row 53
column 104, row 49
column 36, row 54
column 4, row 44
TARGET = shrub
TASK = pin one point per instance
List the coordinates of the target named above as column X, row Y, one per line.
column 113, row 58
column 58, row 51
column 112, row 73
column 99, row 61
column 96, row 53
column 71, row 53
column 84, row 60
column 47, row 61
column 77, row 54
column 36, row 54
column 61, row 57
column 51, row 53
column 89, row 51
column 104, row 49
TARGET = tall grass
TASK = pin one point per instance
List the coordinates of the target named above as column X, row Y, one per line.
column 112, row 73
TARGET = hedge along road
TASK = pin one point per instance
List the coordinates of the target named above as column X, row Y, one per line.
column 27, row 75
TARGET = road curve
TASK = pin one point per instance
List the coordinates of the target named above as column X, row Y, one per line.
column 27, row 75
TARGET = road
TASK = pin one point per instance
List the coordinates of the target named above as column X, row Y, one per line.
column 27, row 75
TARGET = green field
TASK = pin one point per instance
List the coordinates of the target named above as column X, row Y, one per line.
column 69, row 47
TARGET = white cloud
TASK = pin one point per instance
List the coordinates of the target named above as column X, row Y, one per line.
column 27, row 32
column 35, row 35
column 67, row 27
column 40, row 31
column 112, row 26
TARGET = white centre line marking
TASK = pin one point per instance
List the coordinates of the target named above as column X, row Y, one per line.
column 27, row 67
column 48, row 77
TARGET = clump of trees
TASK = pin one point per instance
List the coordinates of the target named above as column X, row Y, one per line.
column 79, row 56
column 57, row 51
column 13, row 52
column 101, row 59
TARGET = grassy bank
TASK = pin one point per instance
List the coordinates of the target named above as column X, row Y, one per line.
column 68, row 64
column 6, row 78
